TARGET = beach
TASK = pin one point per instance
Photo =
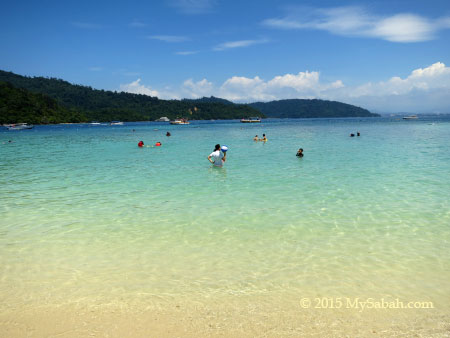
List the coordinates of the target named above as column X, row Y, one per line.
column 99, row 237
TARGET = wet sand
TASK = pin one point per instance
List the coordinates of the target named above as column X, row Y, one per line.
column 230, row 317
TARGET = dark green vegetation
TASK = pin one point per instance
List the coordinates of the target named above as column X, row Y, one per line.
column 40, row 100
column 79, row 103
column 19, row 105
column 298, row 108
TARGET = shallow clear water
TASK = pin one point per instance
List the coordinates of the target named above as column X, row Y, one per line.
column 87, row 216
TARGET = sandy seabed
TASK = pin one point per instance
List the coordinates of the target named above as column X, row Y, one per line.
column 231, row 317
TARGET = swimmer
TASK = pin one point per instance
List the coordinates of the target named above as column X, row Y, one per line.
column 141, row 144
column 217, row 157
column 255, row 138
column 158, row 144
column 300, row 152
column 352, row 135
column 168, row 134
column 264, row 139
column 358, row 134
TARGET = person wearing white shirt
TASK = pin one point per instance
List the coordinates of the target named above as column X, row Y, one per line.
column 217, row 158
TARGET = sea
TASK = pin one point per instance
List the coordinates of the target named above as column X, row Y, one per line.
column 89, row 218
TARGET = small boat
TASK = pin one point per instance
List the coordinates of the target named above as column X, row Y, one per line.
column 411, row 117
column 95, row 123
column 179, row 121
column 251, row 120
column 163, row 119
column 116, row 123
column 19, row 126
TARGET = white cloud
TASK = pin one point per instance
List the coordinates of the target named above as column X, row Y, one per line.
column 424, row 90
column 135, row 87
column 168, row 38
column 193, row 6
column 137, row 24
column 355, row 21
column 188, row 52
column 197, row 89
column 238, row 44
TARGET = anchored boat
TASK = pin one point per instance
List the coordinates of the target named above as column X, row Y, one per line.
column 251, row 120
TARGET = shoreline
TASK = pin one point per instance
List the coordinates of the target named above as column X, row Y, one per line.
column 235, row 316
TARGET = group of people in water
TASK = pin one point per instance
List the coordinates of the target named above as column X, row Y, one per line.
column 263, row 139
column 157, row 144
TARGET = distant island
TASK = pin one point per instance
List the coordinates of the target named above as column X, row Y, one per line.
column 40, row 100
column 301, row 108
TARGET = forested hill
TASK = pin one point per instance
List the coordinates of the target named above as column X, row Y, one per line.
column 299, row 108
column 19, row 105
column 104, row 105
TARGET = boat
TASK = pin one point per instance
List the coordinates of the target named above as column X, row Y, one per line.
column 251, row 120
column 179, row 121
column 116, row 123
column 19, row 126
column 95, row 123
column 411, row 117
column 163, row 119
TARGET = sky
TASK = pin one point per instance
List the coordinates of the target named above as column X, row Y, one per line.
column 385, row 56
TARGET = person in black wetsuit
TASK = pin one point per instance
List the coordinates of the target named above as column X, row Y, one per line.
column 300, row 153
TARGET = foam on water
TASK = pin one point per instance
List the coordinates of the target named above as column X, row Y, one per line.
column 87, row 216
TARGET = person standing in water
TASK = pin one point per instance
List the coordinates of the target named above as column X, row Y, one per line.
column 217, row 158
column 300, row 152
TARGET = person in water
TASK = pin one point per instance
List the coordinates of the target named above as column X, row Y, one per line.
column 300, row 152
column 158, row 144
column 352, row 135
column 217, row 157
column 141, row 144
column 255, row 138
column 358, row 134
column 264, row 139
column 168, row 134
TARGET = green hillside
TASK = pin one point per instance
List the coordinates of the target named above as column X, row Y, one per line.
column 104, row 105
column 299, row 108
column 20, row 105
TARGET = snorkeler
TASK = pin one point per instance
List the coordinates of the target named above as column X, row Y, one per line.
column 300, row 152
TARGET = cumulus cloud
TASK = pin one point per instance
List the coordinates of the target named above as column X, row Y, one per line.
column 356, row 21
column 238, row 44
column 198, row 89
column 424, row 90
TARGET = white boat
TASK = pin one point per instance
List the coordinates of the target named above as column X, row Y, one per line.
column 179, row 121
column 411, row 117
column 163, row 119
column 251, row 120
column 116, row 123
column 95, row 123
column 19, row 126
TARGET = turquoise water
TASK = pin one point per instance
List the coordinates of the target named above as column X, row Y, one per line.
column 87, row 216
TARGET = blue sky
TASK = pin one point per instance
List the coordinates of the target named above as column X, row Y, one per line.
column 382, row 55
